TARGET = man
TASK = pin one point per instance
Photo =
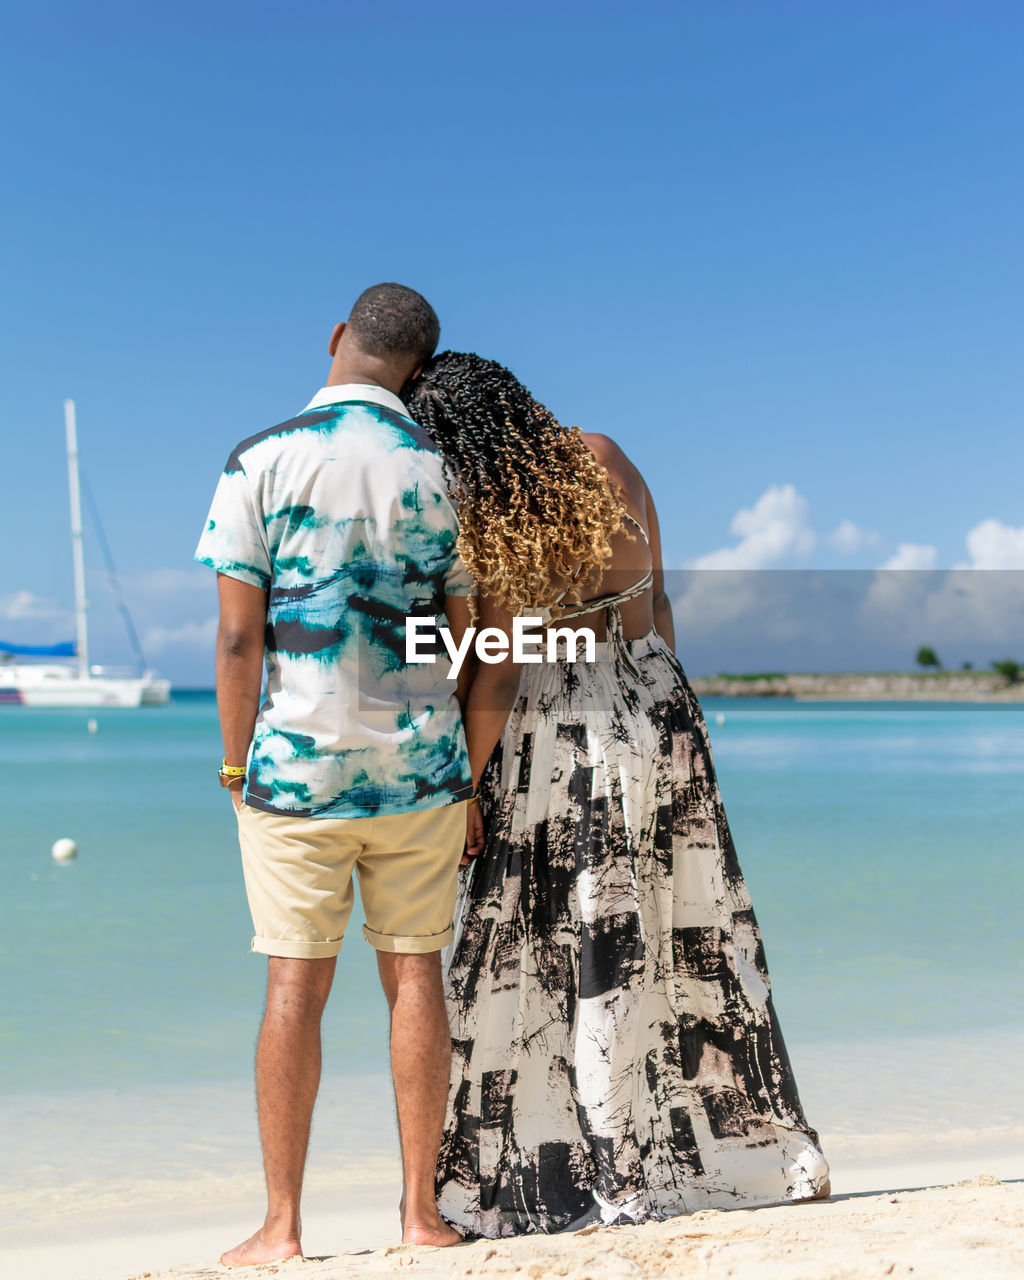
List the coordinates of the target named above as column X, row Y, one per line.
column 327, row 532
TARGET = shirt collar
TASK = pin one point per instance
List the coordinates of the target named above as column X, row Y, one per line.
column 366, row 391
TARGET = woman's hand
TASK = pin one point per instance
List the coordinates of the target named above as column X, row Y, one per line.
column 474, row 834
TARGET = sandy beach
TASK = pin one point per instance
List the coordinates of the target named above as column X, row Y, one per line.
column 885, row 1220
column 970, row 1228
column 924, row 1138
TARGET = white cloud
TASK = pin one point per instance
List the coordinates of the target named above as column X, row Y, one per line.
column 970, row 605
column 190, row 635
column 708, row 600
column 24, row 604
column 910, row 555
column 848, row 538
column 956, row 609
column 994, row 545
column 776, row 528
column 165, row 582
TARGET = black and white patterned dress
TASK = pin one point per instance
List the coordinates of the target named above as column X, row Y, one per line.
column 616, row 1055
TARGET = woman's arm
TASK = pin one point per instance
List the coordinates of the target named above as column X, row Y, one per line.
column 492, row 693
column 456, row 609
column 635, row 490
column 486, row 694
column 663, row 621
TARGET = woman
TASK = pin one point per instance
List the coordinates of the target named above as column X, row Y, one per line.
column 616, row 1055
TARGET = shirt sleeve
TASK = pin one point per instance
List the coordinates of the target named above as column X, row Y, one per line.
column 459, row 581
column 234, row 541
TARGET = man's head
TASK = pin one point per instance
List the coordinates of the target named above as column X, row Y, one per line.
column 389, row 334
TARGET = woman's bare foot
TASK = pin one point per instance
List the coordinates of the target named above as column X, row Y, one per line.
column 259, row 1249
column 824, row 1193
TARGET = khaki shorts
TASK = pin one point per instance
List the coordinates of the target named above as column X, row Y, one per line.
column 298, row 877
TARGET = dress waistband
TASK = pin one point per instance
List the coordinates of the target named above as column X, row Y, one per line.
column 605, row 650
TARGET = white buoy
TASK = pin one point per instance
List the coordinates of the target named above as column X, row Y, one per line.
column 720, row 718
column 91, row 725
column 64, row 850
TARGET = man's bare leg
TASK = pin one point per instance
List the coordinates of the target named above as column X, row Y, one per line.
column 421, row 1055
column 287, row 1079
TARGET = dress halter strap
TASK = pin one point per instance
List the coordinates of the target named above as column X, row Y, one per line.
column 606, row 601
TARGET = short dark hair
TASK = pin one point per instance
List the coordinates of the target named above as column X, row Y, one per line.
column 389, row 320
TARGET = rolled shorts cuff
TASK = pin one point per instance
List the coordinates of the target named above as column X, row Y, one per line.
column 420, row 945
column 287, row 949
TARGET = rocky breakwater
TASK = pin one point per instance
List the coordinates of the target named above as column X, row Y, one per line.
column 891, row 686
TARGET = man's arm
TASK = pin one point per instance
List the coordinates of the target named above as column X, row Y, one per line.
column 240, row 643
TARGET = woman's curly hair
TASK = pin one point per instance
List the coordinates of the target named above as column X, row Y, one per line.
column 535, row 506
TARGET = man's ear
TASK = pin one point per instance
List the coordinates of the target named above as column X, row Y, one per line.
column 415, row 373
column 332, row 346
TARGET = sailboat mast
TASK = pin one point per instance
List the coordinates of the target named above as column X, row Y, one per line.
column 81, row 604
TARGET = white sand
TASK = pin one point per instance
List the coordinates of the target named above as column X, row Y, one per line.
column 875, row 1225
column 893, row 1117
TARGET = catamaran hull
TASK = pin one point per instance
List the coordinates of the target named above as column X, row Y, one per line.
column 94, row 692
column 50, row 684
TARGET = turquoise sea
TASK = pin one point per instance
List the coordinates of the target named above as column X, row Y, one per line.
column 883, row 845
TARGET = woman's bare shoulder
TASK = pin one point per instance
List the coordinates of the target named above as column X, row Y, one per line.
column 615, row 462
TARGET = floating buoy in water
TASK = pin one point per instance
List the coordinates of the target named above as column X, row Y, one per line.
column 91, row 725
column 720, row 718
column 64, row 850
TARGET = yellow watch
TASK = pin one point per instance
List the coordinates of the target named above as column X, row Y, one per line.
column 231, row 773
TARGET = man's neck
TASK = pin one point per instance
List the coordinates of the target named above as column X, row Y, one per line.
column 366, row 372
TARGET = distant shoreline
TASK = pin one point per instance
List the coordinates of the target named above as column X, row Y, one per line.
column 861, row 686
column 868, row 686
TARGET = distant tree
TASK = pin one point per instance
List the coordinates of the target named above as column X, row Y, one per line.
column 967, row 666
column 1009, row 668
column 927, row 657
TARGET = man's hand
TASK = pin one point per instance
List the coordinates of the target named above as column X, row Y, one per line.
column 474, row 834
column 237, row 796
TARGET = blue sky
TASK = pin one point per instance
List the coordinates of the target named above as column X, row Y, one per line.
column 773, row 249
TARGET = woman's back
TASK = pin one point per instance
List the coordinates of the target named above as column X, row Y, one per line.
column 635, row 551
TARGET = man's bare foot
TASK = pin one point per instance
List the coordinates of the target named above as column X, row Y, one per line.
column 257, row 1249
column 426, row 1228
column 439, row 1234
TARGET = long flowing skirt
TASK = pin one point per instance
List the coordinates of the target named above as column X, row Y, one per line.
column 616, row 1051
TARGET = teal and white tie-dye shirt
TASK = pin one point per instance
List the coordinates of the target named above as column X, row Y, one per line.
column 343, row 516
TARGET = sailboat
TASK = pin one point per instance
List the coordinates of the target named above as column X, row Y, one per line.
column 47, row 682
